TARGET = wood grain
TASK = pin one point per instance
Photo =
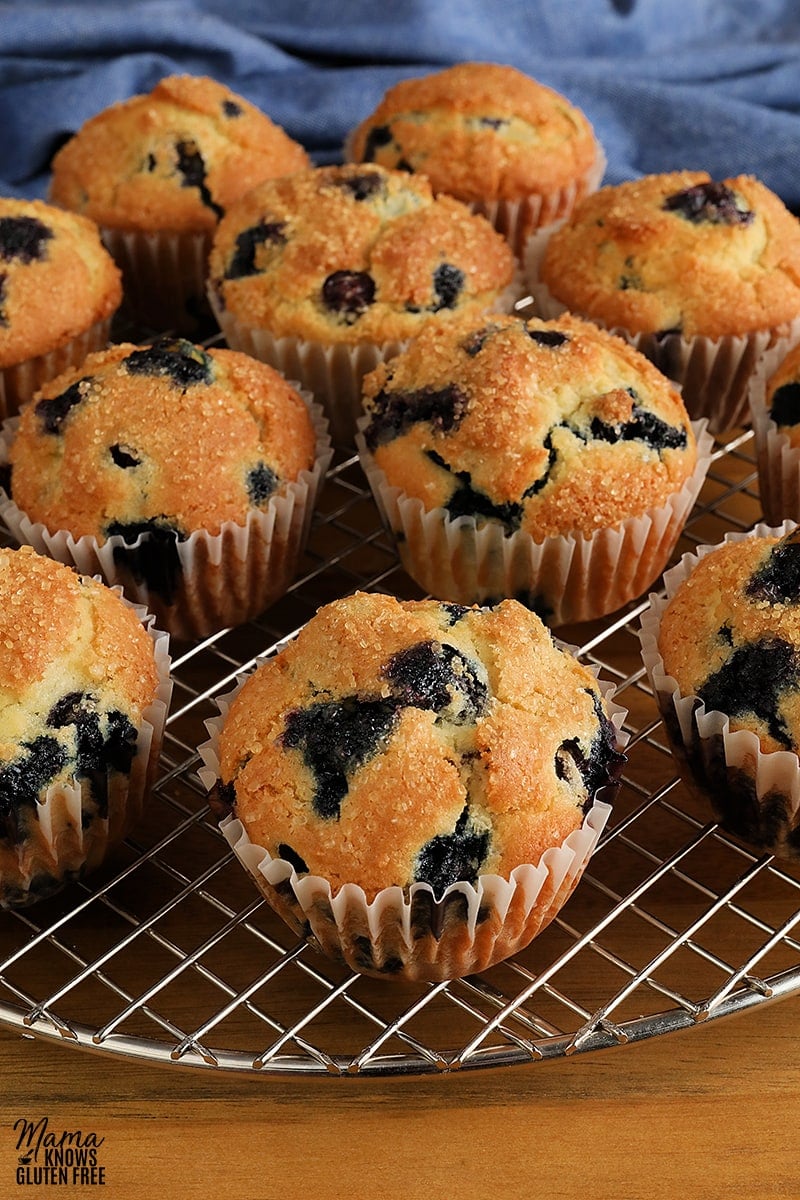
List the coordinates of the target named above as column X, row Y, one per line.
column 706, row 1113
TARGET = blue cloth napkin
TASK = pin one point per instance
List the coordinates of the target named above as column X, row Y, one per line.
column 701, row 84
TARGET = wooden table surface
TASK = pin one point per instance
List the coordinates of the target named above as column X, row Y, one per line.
column 709, row 1112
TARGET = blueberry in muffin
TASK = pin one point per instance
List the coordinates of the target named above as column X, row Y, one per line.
column 659, row 260
column 145, row 449
column 351, row 254
column 665, row 253
column 583, row 431
column 492, row 137
column 401, row 742
column 173, row 159
column 157, row 172
column 547, row 461
column 730, row 639
column 78, row 682
column 59, row 289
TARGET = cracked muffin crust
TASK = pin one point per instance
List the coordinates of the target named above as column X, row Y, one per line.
column 400, row 742
column 175, row 158
column 491, row 136
column 547, row 427
column 186, row 475
column 352, row 254
column 59, row 288
column 731, row 636
column 679, row 253
column 75, row 685
column 169, row 435
column 722, row 651
column 479, row 131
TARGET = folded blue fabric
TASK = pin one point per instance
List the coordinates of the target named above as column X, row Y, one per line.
column 695, row 84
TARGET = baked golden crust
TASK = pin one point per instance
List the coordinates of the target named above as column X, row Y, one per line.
column 77, row 682
column 354, row 254
column 398, row 741
column 479, row 131
column 169, row 433
column 171, row 160
column 782, row 396
column 731, row 635
column 550, row 427
column 64, row 635
column 56, row 279
column 679, row 253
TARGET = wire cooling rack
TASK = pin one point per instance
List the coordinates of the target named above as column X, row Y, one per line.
column 168, row 954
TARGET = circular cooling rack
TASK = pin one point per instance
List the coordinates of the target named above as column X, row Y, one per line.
column 169, row 955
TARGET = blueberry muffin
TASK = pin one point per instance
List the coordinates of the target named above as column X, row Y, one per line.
column 153, row 455
column 783, row 396
column 398, row 744
column 324, row 272
column 490, row 136
column 775, row 407
column 540, row 435
column 723, row 653
column 156, row 172
column 704, row 274
column 84, row 691
column 59, row 289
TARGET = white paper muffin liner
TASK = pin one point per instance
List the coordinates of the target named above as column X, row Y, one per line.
column 332, row 372
column 163, row 277
column 778, row 462
column 518, row 220
column 753, row 794
column 19, row 382
column 223, row 579
column 564, row 578
column 67, row 837
column 408, row 933
column 715, row 374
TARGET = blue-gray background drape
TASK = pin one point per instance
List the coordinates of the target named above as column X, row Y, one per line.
column 702, row 84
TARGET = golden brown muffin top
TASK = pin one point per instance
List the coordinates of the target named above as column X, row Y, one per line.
column 173, row 160
column 70, row 645
column 731, row 635
column 551, row 427
column 782, row 396
column 400, row 741
column 479, row 131
column 56, row 279
column 169, row 436
column 679, row 253
column 354, row 254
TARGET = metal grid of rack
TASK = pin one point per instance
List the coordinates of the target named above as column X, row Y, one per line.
column 169, row 955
